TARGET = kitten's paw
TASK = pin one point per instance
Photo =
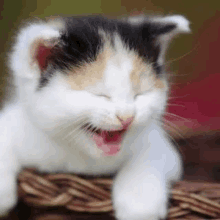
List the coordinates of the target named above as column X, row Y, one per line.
column 151, row 210
column 139, row 211
column 149, row 204
column 7, row 202
column 4, row 214
column 8, row 198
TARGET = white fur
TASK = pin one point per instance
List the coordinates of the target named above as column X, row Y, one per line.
column 21, row 59
column 41, row 129
column 181, row 22
column 182, row 27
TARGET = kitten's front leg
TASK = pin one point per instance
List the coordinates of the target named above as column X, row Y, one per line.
column 139, row 195
column 141, row 188
column 8, row 193
column 8, row 180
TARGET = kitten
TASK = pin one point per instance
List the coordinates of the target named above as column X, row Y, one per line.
column 89, row 93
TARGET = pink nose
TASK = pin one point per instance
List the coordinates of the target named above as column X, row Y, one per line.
column 125, row 122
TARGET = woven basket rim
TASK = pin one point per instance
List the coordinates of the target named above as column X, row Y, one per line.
column 93, row 195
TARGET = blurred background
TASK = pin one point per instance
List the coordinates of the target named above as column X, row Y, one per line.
column 201, row 13
column 193, row 114
column 192, row 61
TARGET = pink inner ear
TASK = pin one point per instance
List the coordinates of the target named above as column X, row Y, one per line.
column 43, row 54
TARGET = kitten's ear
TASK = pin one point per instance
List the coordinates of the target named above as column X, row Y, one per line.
column 165, row 28
column 161, row 30
column 33, row 49
column 170, row 25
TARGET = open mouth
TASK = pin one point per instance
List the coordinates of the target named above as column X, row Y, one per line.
column 108, row 141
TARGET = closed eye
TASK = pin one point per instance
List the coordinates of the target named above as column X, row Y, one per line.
column 103, row 95
column 139, row 94
column 142, row 93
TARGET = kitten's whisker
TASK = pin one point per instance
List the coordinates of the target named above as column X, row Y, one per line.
column 66, row 130
column 169, row 127
column 176, row 116
column 82, row 131
column 68, row 124
column 170, row 104
column 75, row 128
column 75, row 136
column 167, row 121
column 177, row 97
column 72, row 133
column 173, row 139
column 168, row 62
column 175, row 75
column 173, row 127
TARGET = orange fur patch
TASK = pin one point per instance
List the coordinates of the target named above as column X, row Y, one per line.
column 138, row 67
column 143, row 76
column 159, row 83
column 91, row 73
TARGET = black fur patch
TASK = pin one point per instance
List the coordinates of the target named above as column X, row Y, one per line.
column 45, row 77
column 81, row 41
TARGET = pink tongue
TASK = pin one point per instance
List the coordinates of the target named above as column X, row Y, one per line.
column 108, row 142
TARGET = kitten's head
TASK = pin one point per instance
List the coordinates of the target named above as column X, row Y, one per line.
column 88, row 80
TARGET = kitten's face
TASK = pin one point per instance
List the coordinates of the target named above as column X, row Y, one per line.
column 95, row 84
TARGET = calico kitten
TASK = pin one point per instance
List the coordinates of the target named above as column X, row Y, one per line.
column 89, row 92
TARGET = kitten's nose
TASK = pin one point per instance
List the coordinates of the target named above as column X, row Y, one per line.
column 126, row 120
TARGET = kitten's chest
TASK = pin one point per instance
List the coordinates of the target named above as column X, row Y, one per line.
column 103, row 165
column 38, row 151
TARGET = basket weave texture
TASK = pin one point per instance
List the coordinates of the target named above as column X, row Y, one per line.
column 189, row 200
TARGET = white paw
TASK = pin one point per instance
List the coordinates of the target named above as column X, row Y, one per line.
column 8, row 197
column 138, row 203
column 150, row 210
column 7, row 202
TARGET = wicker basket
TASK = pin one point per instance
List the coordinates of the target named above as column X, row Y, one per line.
column 190, row 200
